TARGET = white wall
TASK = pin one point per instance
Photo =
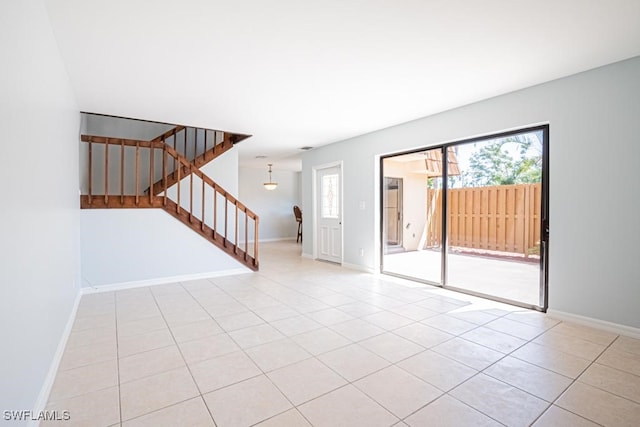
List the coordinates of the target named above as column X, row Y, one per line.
column 116, row 127
column 224, row 171
column 124, row 245
column 39, row 217
column 594, row 184
column 275, row 208
column 139, row 245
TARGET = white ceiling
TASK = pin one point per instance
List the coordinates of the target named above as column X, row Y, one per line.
column 297, row 73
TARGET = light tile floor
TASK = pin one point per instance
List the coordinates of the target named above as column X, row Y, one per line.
column 308, row 343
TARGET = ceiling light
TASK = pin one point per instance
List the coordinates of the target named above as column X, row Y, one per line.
column 270, row 185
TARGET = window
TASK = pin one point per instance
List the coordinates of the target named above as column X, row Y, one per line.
column 330, row 193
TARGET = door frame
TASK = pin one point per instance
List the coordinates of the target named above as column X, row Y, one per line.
column 544, row 213
column 314, row 202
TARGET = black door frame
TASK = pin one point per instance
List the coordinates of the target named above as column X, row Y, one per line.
column 544, row 214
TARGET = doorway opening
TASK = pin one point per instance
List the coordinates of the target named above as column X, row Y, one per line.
column 392, row 205
column 477, row 226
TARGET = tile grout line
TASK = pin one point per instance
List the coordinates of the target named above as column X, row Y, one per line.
column 328, row 367
column 577, row 379
column 243, row 350
column 574, row 380
column 482, row 371
column 115, row 309
column 182, row 356
column 265, row 374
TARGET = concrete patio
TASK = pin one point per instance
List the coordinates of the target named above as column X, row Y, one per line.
column 510, row 279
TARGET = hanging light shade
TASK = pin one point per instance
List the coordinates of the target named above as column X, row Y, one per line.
column 270, row 185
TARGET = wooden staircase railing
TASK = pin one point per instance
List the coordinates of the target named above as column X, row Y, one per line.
column 190, row 195
column 198, row 145
column 198, row 152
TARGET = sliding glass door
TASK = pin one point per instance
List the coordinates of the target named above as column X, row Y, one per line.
column 488, row 211
column 420, row 253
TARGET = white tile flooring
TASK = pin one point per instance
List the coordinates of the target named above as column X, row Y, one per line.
column 308, row 343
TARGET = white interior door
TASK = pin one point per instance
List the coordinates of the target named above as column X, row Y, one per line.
column 329, row 214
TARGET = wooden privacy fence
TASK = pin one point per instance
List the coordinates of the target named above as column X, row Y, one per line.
column 503, row 218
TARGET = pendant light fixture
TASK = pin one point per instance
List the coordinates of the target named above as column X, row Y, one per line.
column 270, row 185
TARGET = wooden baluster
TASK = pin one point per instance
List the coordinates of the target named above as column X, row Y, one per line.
column 121, row 172
column 190, row 194
column 226, row 212
column 151, row 174
column 215, row 212
column 106, row 171
column 173, row 160
column 255, row 242
column 185, row 143
column 164, row 172
column 90, row 197
column 246, row 234
column 137, row 173
column 179, row 185
column 205, row 141
column 195, row 144
column 202, row 225
column 235, row 240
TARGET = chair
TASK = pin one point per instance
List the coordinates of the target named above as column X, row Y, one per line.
column 298, row 214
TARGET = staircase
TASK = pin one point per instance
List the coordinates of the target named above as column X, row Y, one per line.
column 164, row 173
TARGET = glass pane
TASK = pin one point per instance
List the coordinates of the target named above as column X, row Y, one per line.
column 330, row 196
column 493, row 205
column 412, row 215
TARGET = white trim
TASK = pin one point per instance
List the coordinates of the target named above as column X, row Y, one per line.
column 306, row 255
column 275, row 239
column 161, row 281
column 616, row 328
column 359, row 267
column 45, row 390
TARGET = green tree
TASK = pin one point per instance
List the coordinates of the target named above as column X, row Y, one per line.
column 493, row 164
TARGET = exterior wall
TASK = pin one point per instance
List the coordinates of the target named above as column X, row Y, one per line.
column 414, row 203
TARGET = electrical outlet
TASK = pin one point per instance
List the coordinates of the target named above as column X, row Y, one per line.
column 361, row 252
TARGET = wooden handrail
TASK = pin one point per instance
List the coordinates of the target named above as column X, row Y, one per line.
column 219, row 189
column 168, row 134
column 125, row 141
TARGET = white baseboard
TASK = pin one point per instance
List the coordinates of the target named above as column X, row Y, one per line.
column 45, row 391
column 359, row 267
column 307, row 256
column 275, row 239
column 616, row 328
column 161, row 281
